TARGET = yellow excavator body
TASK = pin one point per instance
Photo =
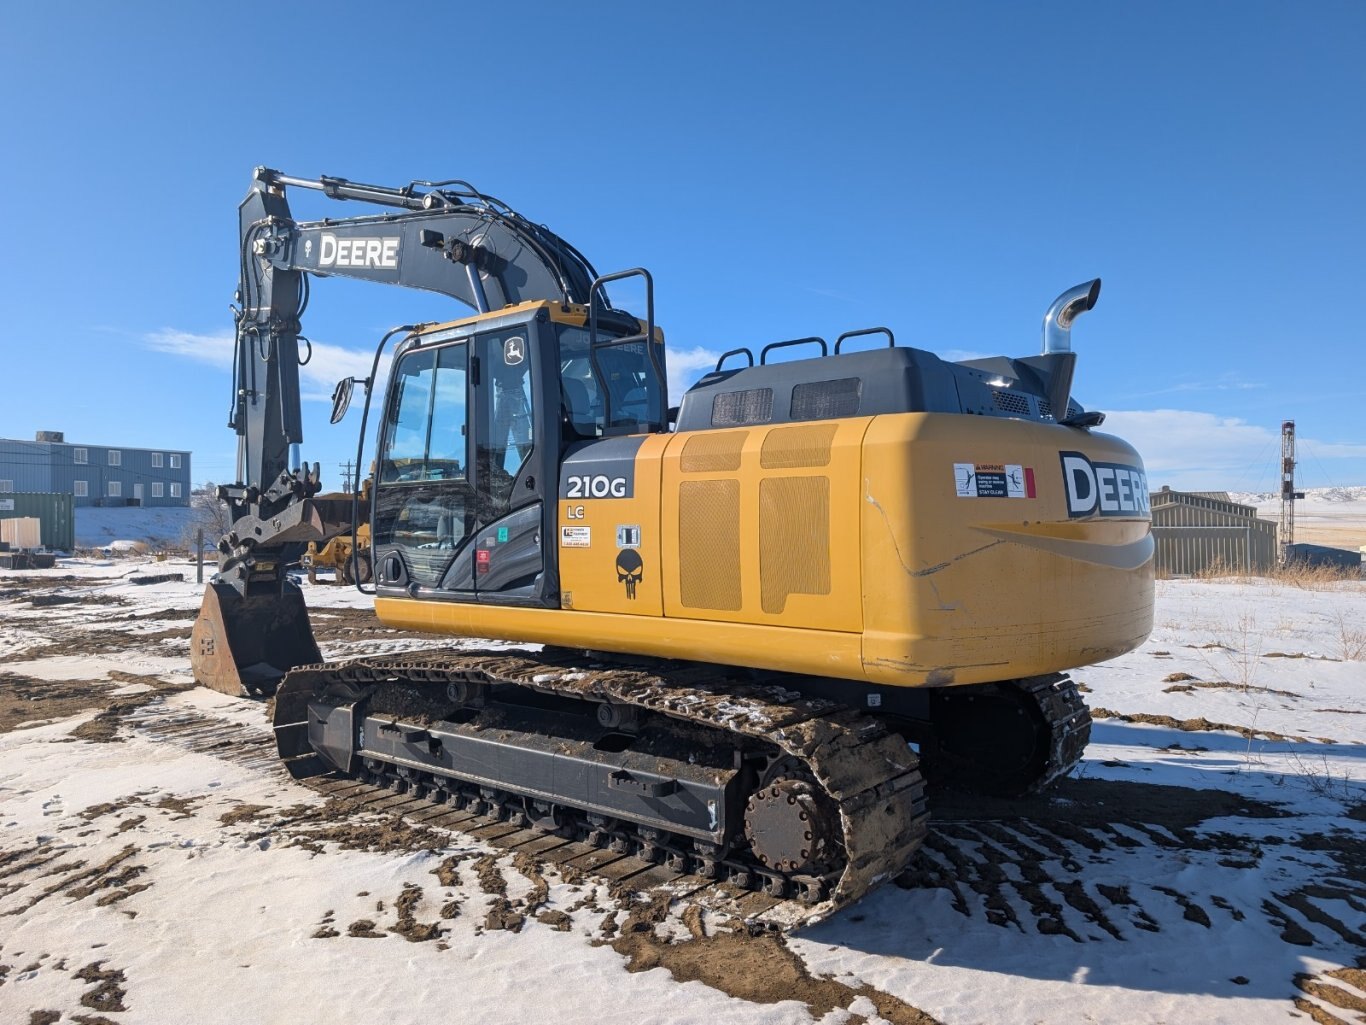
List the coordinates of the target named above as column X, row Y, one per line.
column 818, row 576
column 911, row 550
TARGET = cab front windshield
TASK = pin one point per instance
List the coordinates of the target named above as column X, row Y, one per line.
column 632, row 390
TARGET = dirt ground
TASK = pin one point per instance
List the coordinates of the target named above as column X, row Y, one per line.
column 1044, row 866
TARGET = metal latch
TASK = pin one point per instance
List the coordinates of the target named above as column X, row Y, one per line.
column 623, row 780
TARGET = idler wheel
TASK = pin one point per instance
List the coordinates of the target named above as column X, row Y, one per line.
column 793, row 827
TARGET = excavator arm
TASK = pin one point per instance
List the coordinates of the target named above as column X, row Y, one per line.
column 458, row 242
column 444, row 237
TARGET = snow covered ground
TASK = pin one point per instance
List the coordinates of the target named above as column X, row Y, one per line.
column 1207, row 863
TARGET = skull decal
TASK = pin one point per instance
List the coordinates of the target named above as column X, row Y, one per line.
column 629, row 570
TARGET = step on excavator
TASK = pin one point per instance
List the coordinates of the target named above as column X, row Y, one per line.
column 752, row 625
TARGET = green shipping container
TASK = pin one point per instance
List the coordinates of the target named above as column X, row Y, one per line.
column 52, row 510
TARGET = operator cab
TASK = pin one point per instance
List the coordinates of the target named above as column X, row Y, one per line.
column 478, row 416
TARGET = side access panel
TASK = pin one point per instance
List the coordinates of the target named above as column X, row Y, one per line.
column 763, row 525
column 608, row 533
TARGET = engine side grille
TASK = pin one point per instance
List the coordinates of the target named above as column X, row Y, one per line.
column 741, row 408
column 1010, row 402
column 794, row 539
column 826, row 400
column 712, row 453
column 709, row 544
column 797, row 446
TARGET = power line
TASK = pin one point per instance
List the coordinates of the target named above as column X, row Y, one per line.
column 1309, row 449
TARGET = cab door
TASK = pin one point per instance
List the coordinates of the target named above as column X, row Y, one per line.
column 425, row 500
column 508, row 527
column 459, row 510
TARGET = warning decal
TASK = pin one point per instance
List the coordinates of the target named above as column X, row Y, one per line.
column 993, row 480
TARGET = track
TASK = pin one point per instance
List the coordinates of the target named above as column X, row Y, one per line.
column 976, row 745
column 859, row 782
column 866, row 774
column 254, row 748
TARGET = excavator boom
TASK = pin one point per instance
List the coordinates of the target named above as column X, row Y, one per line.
column 447, row 238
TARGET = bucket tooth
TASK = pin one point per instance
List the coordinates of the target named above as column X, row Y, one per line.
column 243, row 646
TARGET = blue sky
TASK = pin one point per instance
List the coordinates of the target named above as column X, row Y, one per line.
column 783, row 169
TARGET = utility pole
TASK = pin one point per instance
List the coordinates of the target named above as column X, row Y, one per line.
column 1288, row 492
column 346, row 476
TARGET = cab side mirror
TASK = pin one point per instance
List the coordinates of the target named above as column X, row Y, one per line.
column 341, row 398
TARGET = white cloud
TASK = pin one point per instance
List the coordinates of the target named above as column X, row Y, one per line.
column 1203, row 451
column 829, row 293
column 328, row 365
column 685, row 366
column 214, row 349
column 1225, row 382
column 1331, row 449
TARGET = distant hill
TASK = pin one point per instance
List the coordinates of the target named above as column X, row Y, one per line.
column 1355, row 493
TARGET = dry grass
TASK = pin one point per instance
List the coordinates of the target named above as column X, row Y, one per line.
column 1320, row 778
column 1238, row 660
column 1351, row 638
column 1295, row 574
column 1315, row 578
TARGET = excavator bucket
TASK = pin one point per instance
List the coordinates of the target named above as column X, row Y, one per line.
column 244, row 646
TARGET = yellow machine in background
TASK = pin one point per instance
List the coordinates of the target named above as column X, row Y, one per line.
column 346, row 555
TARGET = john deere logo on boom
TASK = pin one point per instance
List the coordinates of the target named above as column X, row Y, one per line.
column 1109, row 489
column 359, row 251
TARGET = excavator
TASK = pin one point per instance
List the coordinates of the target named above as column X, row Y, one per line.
column 751, row 626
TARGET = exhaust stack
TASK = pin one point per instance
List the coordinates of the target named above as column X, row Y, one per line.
column 1057, row 322
column 1058, row 361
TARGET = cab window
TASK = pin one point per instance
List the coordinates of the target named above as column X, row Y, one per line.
column 628, row 378
column 505, row 440
column 425, row 433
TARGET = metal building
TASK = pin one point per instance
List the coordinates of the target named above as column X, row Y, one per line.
column 57, row 525
column 95, row 474
column 1198, row 532
column 1323, row 555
